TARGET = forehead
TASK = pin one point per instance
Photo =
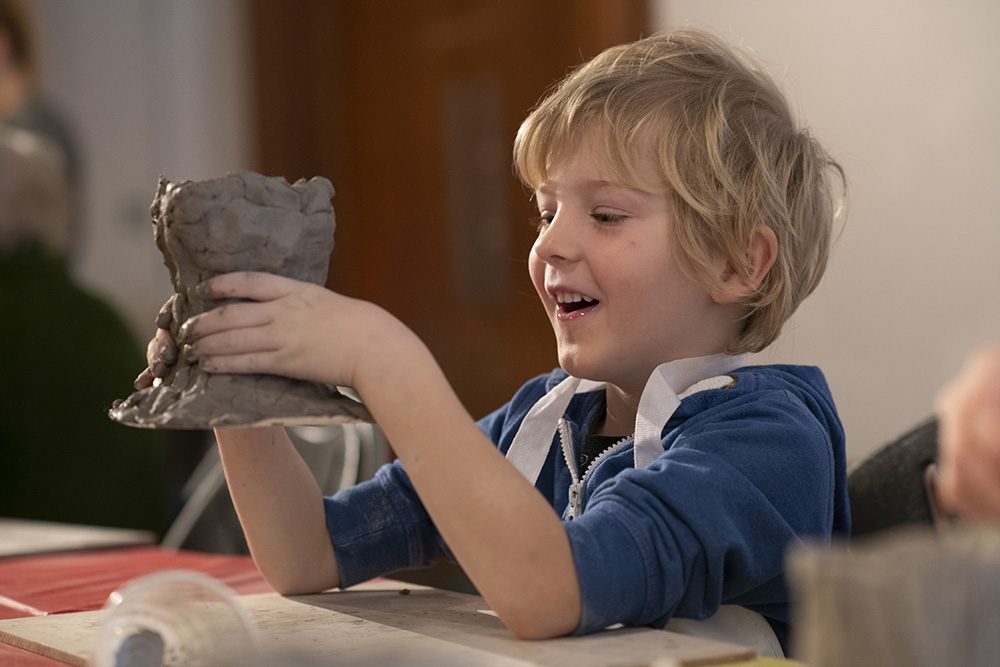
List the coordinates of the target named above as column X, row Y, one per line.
column 596, row 159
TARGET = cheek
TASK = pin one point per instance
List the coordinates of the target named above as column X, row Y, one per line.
column 536, row 270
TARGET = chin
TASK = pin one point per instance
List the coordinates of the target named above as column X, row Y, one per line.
column 578, row 368
column 569, row 366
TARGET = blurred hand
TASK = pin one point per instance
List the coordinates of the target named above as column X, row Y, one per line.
column 968, row 407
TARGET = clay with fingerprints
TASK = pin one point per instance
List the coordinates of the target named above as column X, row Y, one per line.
column 241, row 222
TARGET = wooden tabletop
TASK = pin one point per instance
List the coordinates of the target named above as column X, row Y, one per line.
column 52, row 605
column 385, row 621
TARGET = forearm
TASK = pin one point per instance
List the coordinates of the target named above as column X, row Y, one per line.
column 280, row 507
column 501, row 529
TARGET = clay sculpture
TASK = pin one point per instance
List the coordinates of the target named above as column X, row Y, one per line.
column 241, row 222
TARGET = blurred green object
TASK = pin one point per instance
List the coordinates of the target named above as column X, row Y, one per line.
column 65, row 356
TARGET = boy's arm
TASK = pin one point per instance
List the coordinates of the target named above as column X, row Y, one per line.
column 499, row 527
column 280, row 507
column 278, row 502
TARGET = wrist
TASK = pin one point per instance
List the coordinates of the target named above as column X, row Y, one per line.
column 390, row 353
column 402, row 384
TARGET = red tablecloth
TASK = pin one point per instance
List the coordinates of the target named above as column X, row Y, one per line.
column 82, row 581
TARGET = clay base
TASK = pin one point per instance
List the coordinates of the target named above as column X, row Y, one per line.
column 218, row 401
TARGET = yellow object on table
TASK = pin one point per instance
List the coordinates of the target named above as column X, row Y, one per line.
column 765, row 662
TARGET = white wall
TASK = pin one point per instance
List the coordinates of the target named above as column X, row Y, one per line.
column 153, row 87
column 906, row 93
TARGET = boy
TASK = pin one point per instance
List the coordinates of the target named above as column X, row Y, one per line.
column 682, row 219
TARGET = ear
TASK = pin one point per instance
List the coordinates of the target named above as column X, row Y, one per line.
column 762, row 252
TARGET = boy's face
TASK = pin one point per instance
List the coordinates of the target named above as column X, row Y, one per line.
column 605, row 269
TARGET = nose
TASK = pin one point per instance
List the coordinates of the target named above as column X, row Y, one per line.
column 556, row 242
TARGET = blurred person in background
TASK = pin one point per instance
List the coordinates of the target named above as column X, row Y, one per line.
column 23, row 104
column 65, row 356
column 968, row 408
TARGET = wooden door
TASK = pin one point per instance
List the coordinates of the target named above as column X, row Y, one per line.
column 410, row 107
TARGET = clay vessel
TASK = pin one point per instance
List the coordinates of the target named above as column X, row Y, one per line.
column 241, row 222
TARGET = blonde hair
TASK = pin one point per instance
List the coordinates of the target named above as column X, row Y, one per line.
column 729, row 152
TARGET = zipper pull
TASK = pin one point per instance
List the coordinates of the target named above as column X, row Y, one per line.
column 573, row 510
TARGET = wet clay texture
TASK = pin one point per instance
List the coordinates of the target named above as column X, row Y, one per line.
column 242, row 222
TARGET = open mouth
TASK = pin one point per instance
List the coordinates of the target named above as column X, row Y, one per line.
column 571, row 303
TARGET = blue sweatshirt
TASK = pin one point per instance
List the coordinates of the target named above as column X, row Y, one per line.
column 746, row 470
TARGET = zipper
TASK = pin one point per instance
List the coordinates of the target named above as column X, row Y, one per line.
column 575, row 488
column 566, row 438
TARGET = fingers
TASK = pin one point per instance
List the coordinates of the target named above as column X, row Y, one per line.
column 231, row 342
column 254, row 330
column 144, row 380
column 252, row 285
column 166, row 315
column 246, row 363
column 161, row 355
column 227, row 317
column 161, row 351
column 239, row 337
column 240, row 329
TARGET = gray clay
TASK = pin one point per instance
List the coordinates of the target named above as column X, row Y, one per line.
column 242, row 222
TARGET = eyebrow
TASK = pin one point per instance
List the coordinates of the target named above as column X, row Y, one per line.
column 597, row 185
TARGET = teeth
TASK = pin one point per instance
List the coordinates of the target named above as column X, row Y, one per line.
column 566, row 297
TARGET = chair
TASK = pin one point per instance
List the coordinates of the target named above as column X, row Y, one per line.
column 339, row 456
column 890, row 488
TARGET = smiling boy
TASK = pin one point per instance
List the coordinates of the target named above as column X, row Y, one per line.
column 654, row 477
column 609, row 274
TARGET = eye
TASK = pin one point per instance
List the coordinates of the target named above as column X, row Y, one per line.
column 542, row 221
column 607, row 218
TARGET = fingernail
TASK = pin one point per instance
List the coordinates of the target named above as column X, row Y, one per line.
column 169, row 354
column 184, row 333
column 159, row 369
column 163, row 319
column 188, row 352
column 203, row 289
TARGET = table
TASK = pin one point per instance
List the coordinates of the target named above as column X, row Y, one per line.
column 390, row 622
column 47, row 586
column 19, row 537
column 53, row 604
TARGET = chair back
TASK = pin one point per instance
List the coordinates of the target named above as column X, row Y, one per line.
column 339, row 456
column 890, row 489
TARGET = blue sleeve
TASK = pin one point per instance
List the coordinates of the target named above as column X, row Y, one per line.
column 381, row 525
column 709, row 521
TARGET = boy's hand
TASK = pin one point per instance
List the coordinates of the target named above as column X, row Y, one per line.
column 285, row 327
column 161, row 352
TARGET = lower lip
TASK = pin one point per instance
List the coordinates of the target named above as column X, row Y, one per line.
column 569, row 316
